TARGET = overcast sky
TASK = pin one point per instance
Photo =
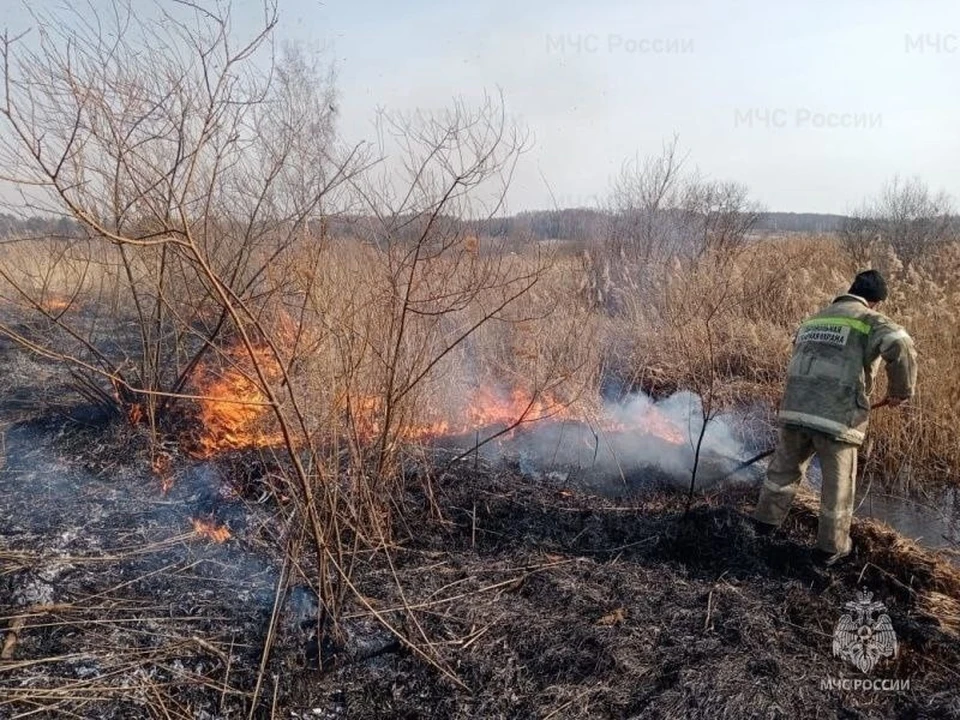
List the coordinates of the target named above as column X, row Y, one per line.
column 812, row 105
column 765, row 93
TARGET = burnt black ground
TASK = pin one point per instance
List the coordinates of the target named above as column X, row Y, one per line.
column 543, row 601
column 607, row 615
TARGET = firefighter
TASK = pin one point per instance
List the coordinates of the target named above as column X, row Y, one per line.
column 826, row 404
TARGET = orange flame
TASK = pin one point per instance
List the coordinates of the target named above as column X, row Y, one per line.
column 653, row 422
column 162, row 465
column 54, row 304
column 233, row 405
column 205, row 528
column 488, row 408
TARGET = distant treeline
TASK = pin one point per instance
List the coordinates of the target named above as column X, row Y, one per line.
column 567, row 224
column 586, row 223
column 11, row 225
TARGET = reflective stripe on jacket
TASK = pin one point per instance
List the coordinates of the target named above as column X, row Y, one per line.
column 835, row 358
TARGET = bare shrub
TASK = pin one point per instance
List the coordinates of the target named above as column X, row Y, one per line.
column 191, row 170
column 718, row 217
column 658, row 211
column 435, row 283
column 201, row 180
column 641, row 230
column 906, row 215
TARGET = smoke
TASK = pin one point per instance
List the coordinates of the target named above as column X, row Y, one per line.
column 635, row 443
column 685, row 409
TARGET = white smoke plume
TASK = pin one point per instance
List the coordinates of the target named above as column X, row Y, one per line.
column 644, row 440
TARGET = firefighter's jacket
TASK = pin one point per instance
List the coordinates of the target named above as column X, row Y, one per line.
column 835, row 358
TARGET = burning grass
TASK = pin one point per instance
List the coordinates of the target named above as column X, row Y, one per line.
column 234, row 413
column 553, row 349
column 210, row 530
column 489, row 412
column 233, row 406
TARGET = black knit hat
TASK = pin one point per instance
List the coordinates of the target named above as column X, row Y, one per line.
column 869, row 285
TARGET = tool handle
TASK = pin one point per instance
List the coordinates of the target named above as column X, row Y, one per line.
column 767, row 453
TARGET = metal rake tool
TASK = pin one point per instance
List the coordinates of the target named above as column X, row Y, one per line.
column 747, row 463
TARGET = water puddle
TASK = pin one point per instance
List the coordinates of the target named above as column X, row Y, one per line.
column 933, row 521
column 930, row 518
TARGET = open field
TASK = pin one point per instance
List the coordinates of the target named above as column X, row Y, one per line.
column 301, row 418
column 556, row 345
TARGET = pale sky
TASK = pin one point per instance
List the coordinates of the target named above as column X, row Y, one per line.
column 812, row 105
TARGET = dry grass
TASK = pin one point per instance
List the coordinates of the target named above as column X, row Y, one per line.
column 551, row 342
column 772, row 287
column 931, row 581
